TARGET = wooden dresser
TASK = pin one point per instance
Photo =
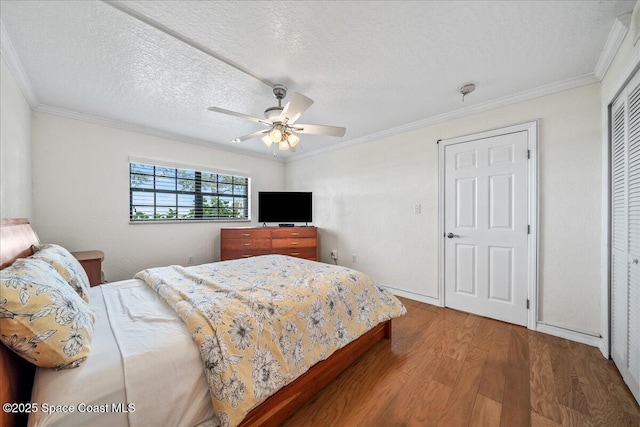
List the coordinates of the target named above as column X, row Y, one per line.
column 301, row 242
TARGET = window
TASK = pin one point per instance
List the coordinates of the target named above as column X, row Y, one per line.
column 159, row 193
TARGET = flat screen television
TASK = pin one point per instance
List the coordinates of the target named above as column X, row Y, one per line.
column 284, row 207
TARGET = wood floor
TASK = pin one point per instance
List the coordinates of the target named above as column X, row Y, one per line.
column 447, row 368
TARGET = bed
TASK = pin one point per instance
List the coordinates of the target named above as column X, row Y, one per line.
column 186, row 392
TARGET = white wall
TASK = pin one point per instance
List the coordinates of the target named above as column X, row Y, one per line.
column 15, row 148
column 364, row 199
column 81, row 194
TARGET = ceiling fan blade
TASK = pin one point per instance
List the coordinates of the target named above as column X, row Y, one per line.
column 242, row 116
column 297, row 105
column 320, row 130
column 250, row 135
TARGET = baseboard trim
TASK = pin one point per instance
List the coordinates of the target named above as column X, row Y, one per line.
column 604, row 349
column 413, row 295
column 569, row 334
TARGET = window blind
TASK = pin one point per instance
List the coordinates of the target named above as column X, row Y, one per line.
column 161, row 193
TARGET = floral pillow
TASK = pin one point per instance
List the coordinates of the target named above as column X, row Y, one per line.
column 41, row 318
column 67, row 265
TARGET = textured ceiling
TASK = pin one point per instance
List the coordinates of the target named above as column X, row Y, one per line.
column 369, row 66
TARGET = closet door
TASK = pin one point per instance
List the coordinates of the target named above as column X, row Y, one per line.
column 625, row 232
column 633, row 342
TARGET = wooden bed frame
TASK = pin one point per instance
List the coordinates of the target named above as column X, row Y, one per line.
column 16, row 375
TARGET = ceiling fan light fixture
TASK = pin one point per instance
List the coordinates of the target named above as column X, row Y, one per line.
column 276, row 133
column 283, row 145
column 293, row 139
column 267, row 140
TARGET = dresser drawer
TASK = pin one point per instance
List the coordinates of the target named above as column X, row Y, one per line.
column 294, row 232
column 306, row 253
column 294, row 243
column 246, row 244
column 248, row 233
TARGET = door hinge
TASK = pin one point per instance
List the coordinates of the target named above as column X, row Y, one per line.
column 527, row 304
column 528, row 154
column 528, row 229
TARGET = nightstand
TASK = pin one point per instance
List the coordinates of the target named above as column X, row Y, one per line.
column 91, row 261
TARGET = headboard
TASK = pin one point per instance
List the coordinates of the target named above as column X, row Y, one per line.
column 16, row 374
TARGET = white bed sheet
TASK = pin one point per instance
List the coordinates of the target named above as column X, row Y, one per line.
column 141, row 354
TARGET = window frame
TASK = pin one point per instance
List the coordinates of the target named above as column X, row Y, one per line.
column 197, row 172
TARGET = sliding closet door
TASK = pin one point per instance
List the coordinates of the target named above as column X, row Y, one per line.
column 625, row 232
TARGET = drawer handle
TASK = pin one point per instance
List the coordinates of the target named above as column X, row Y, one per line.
column 294, row 243
column 246, row 244
column 295, row 253
column 295, row 234
column 246, row 235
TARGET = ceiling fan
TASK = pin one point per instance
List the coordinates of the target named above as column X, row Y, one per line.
column 281, row 122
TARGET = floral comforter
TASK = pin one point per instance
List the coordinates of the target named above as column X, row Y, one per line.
column 260, row 323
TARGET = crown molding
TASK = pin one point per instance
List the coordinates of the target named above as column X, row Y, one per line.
column 15, row 67
column 618, row 32
column 526, row 95
column 47, row 109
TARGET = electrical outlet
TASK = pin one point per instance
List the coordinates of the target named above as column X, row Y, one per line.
column 334, row 254
column 190, row 259
column 417, row 208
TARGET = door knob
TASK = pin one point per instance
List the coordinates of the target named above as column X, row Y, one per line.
column 450, row 235
column 635, row 260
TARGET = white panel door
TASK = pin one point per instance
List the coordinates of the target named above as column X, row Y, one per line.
column 485, row 224
column 625, row 234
